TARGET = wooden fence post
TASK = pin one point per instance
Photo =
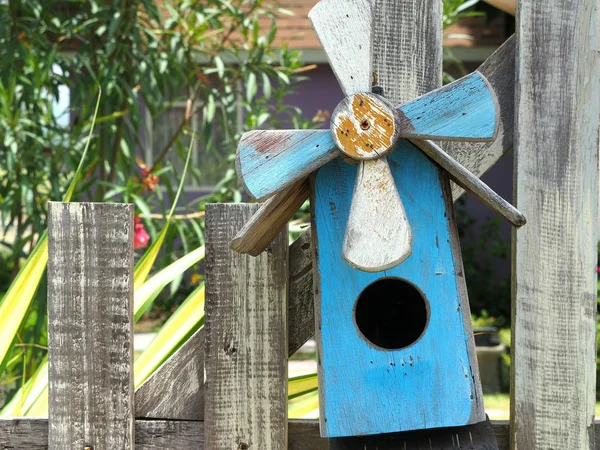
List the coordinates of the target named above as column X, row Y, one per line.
column 246, row 339
column 554, row 269
column 90, row 298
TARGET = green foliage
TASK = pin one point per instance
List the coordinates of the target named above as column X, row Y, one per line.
column 482, row 247
column 147, row 56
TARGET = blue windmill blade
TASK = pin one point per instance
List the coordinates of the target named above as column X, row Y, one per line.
column 268, row 161
column 465, row 110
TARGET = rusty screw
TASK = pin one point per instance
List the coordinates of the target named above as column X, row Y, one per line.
column 243, row 446
column 365, row 125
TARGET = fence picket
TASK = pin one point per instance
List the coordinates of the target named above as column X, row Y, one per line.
column 246, row 339
column 90, row 304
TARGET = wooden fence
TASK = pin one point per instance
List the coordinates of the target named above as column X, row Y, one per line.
column 226, row 387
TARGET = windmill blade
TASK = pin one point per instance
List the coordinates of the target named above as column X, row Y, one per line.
column 268, row 161
column 465, row 110
column 344, row 29
column 378, row 235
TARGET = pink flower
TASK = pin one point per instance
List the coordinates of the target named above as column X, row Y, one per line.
column 140, row 235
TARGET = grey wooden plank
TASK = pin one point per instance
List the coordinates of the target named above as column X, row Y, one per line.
column 301, row 307
column 32, row 434
column 268, row 221
column 554, row 276
column 246, row 338
column 478, row 158
column 176, row 389
column 90, row 325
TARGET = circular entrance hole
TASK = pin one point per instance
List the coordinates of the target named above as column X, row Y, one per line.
column 391, row 313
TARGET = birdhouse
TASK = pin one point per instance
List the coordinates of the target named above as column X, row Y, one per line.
column 395, row 343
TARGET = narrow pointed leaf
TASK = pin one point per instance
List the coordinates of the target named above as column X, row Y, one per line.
column 187, row 319
column 20, row 294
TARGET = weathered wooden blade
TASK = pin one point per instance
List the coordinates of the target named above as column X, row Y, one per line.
column 378, row 235
column 465, row 110
column 267, row 222
column 469, row 182
column 268, row 161
column 344, row 29
column 479, row 436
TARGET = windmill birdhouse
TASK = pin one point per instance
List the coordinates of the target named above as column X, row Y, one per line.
column 395, row 343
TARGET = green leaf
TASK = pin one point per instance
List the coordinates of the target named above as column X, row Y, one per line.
column 251, row 87
column 187, row 319
column 20, row 294
column 150, row 289
column 220, row 66
column 303, row 406
column 302, row 385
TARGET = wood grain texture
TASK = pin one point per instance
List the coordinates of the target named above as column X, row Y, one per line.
column 344, row 30
column 433, row 382
column 90, row 325
column 407, row 47
column 176, row 389
column 465, row 179
column 246, row 338
column 301, row 310
column 378, row 235
column 478, row 157
column 268, row 161
column 556, row 149
column 464, row 110
column 32, row 434
column 269, row 219
column 479, row 436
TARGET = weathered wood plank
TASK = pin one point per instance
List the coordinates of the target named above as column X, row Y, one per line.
column 90, row 325
column 176, row 389
column 344, row 28
column 377, row 235
column 478, row 157
column 246, row 339
column 268, row 221
column 301, row 310
column 554, row 267
column 268, row 161
column 479, row 436
column 464, row 110
column 32, row 434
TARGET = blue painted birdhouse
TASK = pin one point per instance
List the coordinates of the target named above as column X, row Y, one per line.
column 395, row 344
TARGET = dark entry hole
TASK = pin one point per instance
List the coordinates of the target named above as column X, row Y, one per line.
column 391, row 313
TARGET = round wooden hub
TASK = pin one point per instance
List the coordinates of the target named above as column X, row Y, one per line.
column 363, row 126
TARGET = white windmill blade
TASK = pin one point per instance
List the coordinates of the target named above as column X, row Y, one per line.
column 378, row 235
column 345, row 31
